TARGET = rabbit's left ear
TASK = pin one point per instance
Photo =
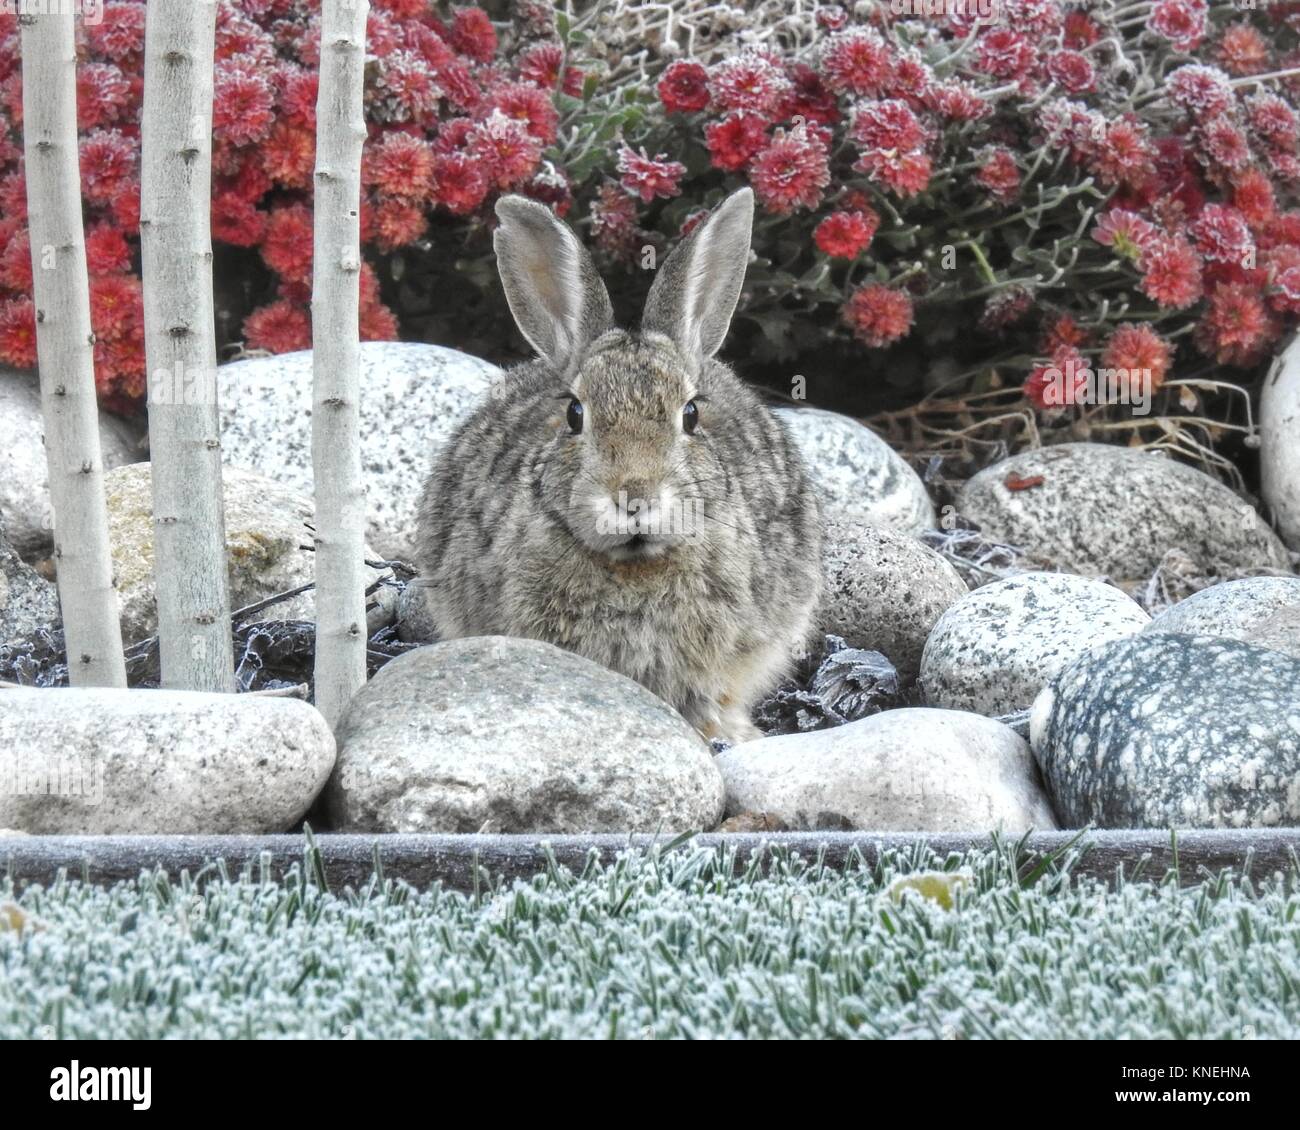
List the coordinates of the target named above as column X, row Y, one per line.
column 558, row 300
column 696, row 290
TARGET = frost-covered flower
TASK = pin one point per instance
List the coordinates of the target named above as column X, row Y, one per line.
column 879, row 315
column 845, row 235
column 648, row 177
column 792, row 171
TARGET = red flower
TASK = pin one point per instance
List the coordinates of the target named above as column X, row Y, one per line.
column 18, row 333
column 649, row 177
column 1222, row 235
column 107, row 164
column 1072, row 71
column 116, row 306
column 1171, row 272
column 1003, row 53
column 1000, row 174
column 16, row 263
column 958, row 101
column 106, row 251
column 1236, row 328
column 400, row 165
column 528, row 104
column 1201, row 91
column 405, row 90
column 1252, row 196
column 458, row 183
column 1224, row 144
column 241, row 103
column 887, row 125
column 1126, row 232
column 398, row 222
column 878, row 315
column 1142, row 352
column 472, row 34
column 858, row 62
column 542, row 64
column 812, row 101
column 508, row 151
column 1284, row 279
column 280, row 327
column 378, row 323
column 792, row 172
column 287, row 242
column 684, row 88
column 752, row 82
column 1062, row 330
column 238, row 37
column 236, row 220
column 1125, row 156
column 734, row 140
column 551, row 187
column 299, row 90
column 845, row 235
column 126, row 207
column 289, row 155
column 613, row 221
column 1061, row 382
column 1080, row 30
column 120, row 32
column 1273, row 121
column 1243, row 50
column 102, row 92
column 1182, row 22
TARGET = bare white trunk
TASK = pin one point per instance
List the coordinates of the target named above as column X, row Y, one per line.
column 180, row 346
column 65, row 351
column 336, row 421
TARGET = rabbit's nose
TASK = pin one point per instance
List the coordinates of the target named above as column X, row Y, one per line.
column 634, row 494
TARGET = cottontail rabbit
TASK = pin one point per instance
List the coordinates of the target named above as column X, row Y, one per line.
column 624, row 495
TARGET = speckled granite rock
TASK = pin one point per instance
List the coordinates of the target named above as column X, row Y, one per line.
column 1158, row 731
column 24, row 478
column 268, row 546
column 1279, row 450
column 511, row 735
column 1102, row 509
column 27, row 601
column 994, row 649
column 412, row 397
column 911, row 770
column 884, row 591
column 140, row 762
column 1251, row 609
column 858, row 476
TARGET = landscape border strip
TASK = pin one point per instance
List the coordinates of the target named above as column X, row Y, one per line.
column 451, row 859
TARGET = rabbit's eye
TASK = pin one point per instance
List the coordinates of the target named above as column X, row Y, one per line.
column 690, row 417
column 574, row 416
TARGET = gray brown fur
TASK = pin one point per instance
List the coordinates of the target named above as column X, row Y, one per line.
column 708, row 616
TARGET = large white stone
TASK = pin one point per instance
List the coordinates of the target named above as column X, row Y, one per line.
column 412, row 398
column 1261, row 610
column 856, row 474
column 911, row 770
column 1279, row 436
column 497, row 734
column 152, row 762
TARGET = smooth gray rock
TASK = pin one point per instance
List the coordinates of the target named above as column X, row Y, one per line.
column 994, row 650
column 24, row 477
column 1279, row 443
column 1261, row 610
column 498, row 734
column 913, row 770
column 412, row 398
column 1116, row 511
column 884, row 591
column 1172, row 731
column 27, row 600
column 268, row 547
column 857, row 475
column 152, row 762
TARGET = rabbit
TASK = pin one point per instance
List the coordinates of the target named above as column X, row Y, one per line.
column 625, row 495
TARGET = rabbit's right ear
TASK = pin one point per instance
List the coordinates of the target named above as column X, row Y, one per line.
column 558, row 300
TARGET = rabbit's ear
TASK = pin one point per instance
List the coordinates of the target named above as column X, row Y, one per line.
column 696, row 290
column 555, row 294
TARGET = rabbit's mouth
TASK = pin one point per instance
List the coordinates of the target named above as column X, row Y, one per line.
column 639, row 547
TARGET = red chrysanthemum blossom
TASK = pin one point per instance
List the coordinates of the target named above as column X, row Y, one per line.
column 1071, row 70
column 551, row 187
column 107, row 164
column 397, row 223
column 106, row 250
column 1071, row 127
column 378, row 323
column 453, row 135
column 1141, row 351
column 1125, row 232
column 1282, row 265
column 1236, row 328
column 1060, row 331
column 237, row 220
column 508, row 151
column 1201, row 91
column 404, row 89
column 648, row 177
column 289, row 155
column 812, row 101
column 542, row 64
column 1285, row 167
column 241, row 104
column 1273, row 121
column 126, row 207
column 471, row 33
column 119, row 34
column 1080, row 30
column 1125, row 156
column 279, row 327
column 792, row 172
column 684, row 88
column 887, row 126
column 999, row 173
column 1224, row 144
column 957, row 101
column 102, row 92
column 1003, row 53
column 299, row 90
column 287, row 242
column 1253, row 197
column 878, row 315
column 1171, row 272
column 1061, row 382
column 1036, row 19
column 116, row 306
column 458, row 183
column 238, row 37
column 858, row 61
column 1182, row 22
column 831, row 17
column 529, row 104
column 1222, row 235
column 400, row 165
column 1243, row 50
column 18, row 333
column 614, row 221
column 753, row 82
column 734, row 140
column 16, row 263
column 845, row 235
